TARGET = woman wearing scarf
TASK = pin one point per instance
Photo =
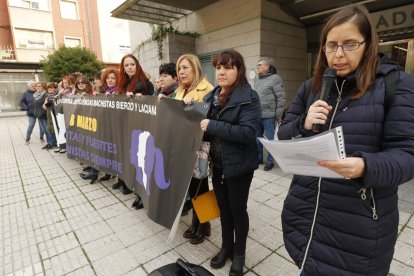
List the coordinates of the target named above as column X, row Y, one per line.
column 39, row 98
column 65, row 89
column 49, row 106
column 109, row 80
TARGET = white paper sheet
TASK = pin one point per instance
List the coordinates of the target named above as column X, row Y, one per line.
column 301, row 156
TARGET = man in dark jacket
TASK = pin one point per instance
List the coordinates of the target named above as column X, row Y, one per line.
column 27, row 104
column 269, row 87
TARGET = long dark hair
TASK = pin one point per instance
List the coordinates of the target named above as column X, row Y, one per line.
column 126, row 84
column 365, row 73
column 231, row 58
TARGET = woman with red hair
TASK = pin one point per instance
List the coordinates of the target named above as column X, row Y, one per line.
column 132, row 79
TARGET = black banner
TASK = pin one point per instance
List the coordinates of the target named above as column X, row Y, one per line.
column 151, row 144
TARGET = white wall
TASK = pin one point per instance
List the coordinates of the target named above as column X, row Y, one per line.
column 115, row 32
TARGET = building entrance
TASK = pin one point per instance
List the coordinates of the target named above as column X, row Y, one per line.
column 401, row 52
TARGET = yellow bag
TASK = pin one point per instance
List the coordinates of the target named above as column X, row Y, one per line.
column 206, row 206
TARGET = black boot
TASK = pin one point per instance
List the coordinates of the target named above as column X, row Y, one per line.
column 87, row 168
column 118, row 184
column 138, row 203
column 191, row 232
column 126, row 190
column 220, row 259
column 204, row 230
column 236, row 268
column 87, row 176
column 105, row 177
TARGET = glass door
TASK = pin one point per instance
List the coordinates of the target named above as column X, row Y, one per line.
column 401, row 52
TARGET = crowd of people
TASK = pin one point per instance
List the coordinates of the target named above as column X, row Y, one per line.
column 318, row 232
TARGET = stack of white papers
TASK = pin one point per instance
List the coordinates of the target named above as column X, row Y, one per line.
column 300, row 156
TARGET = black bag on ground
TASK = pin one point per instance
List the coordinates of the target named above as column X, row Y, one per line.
column 181, row 268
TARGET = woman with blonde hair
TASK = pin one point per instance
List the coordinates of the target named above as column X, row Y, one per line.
column 192, row 87
column 191, row 82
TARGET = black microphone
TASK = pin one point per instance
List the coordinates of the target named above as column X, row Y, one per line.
column 328, row 80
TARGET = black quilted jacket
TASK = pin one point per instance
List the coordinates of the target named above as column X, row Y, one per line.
column 356, row 220
column 236, row 130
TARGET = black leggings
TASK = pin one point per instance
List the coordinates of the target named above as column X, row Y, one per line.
column 232, row 195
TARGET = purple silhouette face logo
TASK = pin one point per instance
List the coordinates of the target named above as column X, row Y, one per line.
column 146, row 159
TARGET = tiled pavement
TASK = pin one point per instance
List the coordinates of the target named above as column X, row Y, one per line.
column 54, row 223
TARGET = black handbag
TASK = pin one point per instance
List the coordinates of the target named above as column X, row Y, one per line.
column 181, row 268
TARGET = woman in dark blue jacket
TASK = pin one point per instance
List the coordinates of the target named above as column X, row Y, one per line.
column 232, row 127
column 349, row 226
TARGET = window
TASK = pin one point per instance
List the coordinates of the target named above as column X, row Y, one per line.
column 124, row 48
column 35, row 5
column 42, row 5
column 31, row 39
column 73, row 42
column 69, row 9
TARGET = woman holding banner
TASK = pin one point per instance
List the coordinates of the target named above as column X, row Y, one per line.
column 132, row 81
column 232, row 125
column 192, row 87
column 109, row 79
column 83, row 86
column 65, row 89
column 108, row 82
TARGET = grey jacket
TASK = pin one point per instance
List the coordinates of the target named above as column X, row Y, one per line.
column 272, row 95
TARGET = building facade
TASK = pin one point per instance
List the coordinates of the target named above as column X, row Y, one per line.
column 285, row 30
column 32, row 29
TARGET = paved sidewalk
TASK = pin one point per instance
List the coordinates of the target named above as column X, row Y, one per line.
column 55, row 223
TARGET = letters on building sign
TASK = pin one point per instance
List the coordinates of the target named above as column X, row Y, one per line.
column 401, row 17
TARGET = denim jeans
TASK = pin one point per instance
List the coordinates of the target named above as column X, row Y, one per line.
column 32, row 122
column 42, row 125
column 51, row 138
column 268, row 129
column 303, row 273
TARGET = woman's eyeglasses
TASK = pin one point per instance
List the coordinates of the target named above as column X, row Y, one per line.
column 351, row 46
column 81, row 82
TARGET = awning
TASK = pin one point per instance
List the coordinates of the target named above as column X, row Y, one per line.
column 158, row 11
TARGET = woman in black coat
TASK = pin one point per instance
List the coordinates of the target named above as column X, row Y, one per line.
column 232, row 127
column 349, row 226
column 132, row 82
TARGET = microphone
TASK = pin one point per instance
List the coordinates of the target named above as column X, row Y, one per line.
column 328, row 80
